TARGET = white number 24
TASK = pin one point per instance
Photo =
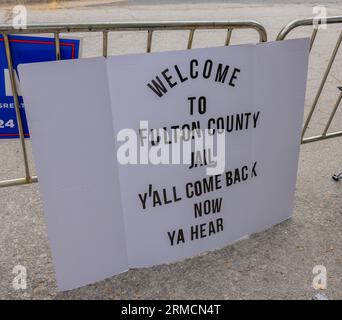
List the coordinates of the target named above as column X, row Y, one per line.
column 9, row 124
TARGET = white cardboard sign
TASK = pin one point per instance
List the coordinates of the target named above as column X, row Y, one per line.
column 104, row 217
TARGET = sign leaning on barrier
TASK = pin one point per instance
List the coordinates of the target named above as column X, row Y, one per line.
column 25, row 49
column 114, row 201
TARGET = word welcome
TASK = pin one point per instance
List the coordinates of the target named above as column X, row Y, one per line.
column 207, row 69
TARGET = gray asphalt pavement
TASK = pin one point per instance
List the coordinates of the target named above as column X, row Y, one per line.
column 274, row 264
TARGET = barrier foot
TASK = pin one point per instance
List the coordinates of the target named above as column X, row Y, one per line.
column 337, row 177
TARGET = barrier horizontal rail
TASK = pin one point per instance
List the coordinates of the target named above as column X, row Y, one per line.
column 316, row 22
column 105, row 28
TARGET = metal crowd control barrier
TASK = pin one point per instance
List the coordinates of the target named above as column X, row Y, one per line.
column 105, row 28
column 316, row 22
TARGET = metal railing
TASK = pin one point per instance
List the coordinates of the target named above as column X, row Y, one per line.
column 105, row 28
column 316, row 22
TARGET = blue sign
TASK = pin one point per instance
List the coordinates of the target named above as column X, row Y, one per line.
column 26, row 49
